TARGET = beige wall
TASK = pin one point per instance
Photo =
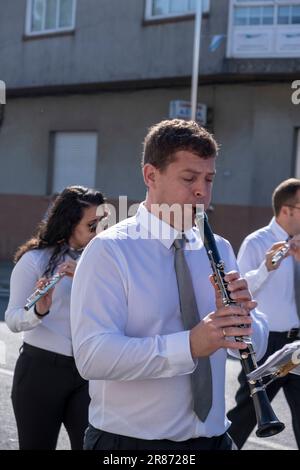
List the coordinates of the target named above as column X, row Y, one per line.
column 254, row 123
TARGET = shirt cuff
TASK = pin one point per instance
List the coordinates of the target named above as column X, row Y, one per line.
column 31, row 318
column 260, row 333
column 179, row 353
column 255, row 282
column 40, row 315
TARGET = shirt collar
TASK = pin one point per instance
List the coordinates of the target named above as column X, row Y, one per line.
column 163, row 232
column 278, row 231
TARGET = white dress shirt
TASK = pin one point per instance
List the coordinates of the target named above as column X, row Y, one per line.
column 273, row 290
column 53, row 332
column 128, row 336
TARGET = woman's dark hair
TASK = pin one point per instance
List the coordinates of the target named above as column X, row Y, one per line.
column 63, row 216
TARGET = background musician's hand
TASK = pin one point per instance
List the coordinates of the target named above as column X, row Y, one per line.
column 216, row 330
column 67, row 267
column 43, row 305
column 271, row 252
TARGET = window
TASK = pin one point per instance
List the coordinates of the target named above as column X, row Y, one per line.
column 264, row 28
column 74, row 159
column 158, row 9
column 289, row 14
column 253, row 15
column 50, row 16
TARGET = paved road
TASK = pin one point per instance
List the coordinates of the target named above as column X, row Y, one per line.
column 8, row 434
column 283, row 441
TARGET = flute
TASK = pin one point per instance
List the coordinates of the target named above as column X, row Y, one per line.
column 39, row 293
column 267, row 422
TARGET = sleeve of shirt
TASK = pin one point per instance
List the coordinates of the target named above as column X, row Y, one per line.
column 99, row 315
column 260, row 327
column 22, row 283
column 251, row 261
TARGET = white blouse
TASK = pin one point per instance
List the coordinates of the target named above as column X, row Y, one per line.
column 53, row 331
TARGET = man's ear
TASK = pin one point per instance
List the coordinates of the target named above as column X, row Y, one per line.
column 284, row 211
column 149, row 173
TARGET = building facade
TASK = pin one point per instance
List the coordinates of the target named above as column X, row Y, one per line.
column 86, row 78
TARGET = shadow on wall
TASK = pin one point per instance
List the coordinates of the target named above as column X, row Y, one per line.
column 236, row 222
column 3, row 306
column 5, row 272
column 20, row 215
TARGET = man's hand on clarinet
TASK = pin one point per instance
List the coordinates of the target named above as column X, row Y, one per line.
column 217, row 329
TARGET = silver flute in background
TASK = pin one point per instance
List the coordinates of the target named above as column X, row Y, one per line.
column 277, row 257
column 39, row 293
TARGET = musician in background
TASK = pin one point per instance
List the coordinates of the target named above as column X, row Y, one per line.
column 127, row 322
column 47, row 388
column 276, row 287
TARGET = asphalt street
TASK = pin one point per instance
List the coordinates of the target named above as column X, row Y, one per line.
column 9, row 346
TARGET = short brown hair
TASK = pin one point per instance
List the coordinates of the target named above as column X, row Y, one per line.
column 168, row 137
column 284, row 194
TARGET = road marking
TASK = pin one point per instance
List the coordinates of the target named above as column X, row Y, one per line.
column 271, row 445
column 6, row 372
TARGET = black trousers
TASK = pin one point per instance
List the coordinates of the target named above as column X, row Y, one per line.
column 243, row 415
column 95, row 439
column 48, row 392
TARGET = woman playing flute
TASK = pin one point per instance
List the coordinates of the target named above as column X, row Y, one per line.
column 47, row 388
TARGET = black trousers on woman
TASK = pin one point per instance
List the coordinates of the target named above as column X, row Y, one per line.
column 48, row 392
column 243, row 415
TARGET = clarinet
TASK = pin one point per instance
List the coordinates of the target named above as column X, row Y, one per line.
column 267, row 422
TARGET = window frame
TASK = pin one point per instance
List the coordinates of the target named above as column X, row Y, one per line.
column 52, row 31
column 275, row 27
column 150, row 17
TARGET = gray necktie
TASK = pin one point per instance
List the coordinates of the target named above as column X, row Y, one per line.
column 201, row 377
column 297, row 284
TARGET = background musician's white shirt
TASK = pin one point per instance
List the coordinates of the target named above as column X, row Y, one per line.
column 273, row 290
column 52, row 332
column 127, row 332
